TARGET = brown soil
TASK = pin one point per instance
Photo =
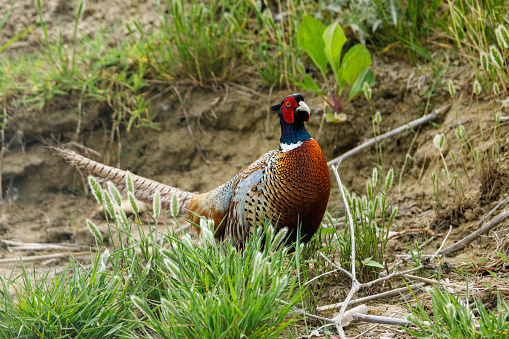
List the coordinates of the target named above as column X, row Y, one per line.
column 45, row 200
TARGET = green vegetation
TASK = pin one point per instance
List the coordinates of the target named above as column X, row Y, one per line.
column 452, row 317
column 223, row 291
column 373, row 215
column 351, row 69
column 70, row 304
column 183, row 289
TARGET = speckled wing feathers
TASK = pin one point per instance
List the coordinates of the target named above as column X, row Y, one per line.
column 245, row 199
column 286, row 188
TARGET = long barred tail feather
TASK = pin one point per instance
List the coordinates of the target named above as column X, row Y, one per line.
column 144, row 189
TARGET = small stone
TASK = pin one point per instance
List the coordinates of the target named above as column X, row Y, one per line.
column 469, row 215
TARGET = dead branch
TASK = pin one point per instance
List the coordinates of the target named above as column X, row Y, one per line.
column 370, row 298
column 355, row 284
column 43, row 257
column 468, row 239
column 487, row 269
column 443, row 242
column 335, row 266
column 22, row 246
column 389, row 321
column 392, row 275
column 487, row 215
column 382, row 320
column 44, row 247
column 412, row 230
column 392, row 133
column 183, row 229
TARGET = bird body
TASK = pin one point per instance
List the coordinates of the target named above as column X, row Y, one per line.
column 287, row 187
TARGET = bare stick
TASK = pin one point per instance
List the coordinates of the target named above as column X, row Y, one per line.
column 411, row 230
column 26, row 246
column 44, row 247
column 389, row 321
column 392, row 133
column 486, row 216
column 369, row 298
column 382, row 320
column 348, row 317
column 426, row 243
column 43, row 257
column 360, row 335
column 392, row 275
column 183, row 229
column 443, row 243
column 355, row 283
column 468, row 239
column 335, row 266
column 433, row 281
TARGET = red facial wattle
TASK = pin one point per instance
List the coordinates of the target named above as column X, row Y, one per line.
column 288, row 107
column 288, row 114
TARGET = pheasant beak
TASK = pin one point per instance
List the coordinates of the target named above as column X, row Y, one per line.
column 303, row 107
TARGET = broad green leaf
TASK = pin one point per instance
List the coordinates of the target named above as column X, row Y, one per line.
column 369, row 262
column 309, row 38
column 354, row 62
column 366, row 260
column 357, row 87
column 334, row 39
column 328, row 230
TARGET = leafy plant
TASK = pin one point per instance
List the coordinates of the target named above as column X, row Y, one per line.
column 324, row 46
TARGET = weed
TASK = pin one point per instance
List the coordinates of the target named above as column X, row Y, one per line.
column 205, row 36
column 372, row 215
column 352, row 69
column 182, row 288
column 452, row 317
column 71, row 304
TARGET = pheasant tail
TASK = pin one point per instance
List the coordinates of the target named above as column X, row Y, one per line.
column 144, row 189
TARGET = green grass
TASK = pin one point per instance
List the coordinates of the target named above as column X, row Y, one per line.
column 372, row 215
column 452, row 317
column 213, row 42
column 163, row 283
column 80, row 303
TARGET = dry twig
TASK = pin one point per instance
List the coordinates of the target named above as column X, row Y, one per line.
column 369, row 298
column 392, row 133
column 355, row 284
column 468, row 239
column 43, row 257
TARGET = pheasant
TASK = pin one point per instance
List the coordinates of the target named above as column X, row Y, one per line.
column 287, row 187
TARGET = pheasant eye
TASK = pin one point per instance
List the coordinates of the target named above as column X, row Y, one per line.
column 288, row 104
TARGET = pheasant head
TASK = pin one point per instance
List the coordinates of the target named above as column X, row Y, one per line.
column 292, row 112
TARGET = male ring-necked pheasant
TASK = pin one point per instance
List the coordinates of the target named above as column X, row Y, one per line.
column 287, row 186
